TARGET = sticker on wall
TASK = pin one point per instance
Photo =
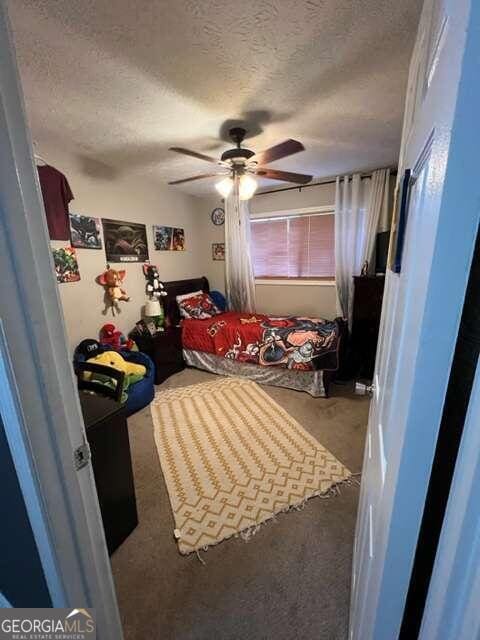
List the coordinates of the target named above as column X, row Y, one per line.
column 162, row 237
column 66, row 265
column 178, row 240
column 218, row 251
column 85, row 232
column 125, row 241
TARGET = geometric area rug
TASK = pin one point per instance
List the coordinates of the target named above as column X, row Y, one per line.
column 232, row 458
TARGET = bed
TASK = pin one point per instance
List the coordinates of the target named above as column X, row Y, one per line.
column 293, row 352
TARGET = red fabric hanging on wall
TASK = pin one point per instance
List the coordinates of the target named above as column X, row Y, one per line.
column 56, row 194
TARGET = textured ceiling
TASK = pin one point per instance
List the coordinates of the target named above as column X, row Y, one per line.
column 118, row 82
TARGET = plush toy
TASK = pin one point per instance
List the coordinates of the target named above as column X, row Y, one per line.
column 111, row 279
column 112, row 337
column 115, row 360
column 154, row 287
column 133, row 372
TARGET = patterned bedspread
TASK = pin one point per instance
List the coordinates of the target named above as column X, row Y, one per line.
column 291, row 342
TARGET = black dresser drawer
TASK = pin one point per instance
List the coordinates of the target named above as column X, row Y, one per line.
column 367, row 309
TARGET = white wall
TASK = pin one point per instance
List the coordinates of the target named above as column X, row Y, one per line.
column 311, row 196
column 296, row 299
column 284, row 299
column 99, row 193
column 209, row 233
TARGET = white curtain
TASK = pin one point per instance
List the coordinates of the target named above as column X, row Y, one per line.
column 240, row 282
column 358, row 208
column 377, row 214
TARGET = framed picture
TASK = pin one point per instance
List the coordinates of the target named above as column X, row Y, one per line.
column 218, row 251
column 125, row 241
column 66, row 265
column 178, row 240
column 162, row 237
column 84, row 232
column 399, row 222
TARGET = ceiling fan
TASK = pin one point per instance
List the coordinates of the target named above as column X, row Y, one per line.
column 238, row 165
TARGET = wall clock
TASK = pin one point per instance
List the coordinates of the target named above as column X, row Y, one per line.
column 218, row 216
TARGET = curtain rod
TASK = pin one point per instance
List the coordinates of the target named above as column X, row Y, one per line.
column 393, row 172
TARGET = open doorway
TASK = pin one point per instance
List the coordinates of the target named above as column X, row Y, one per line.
column 293, row 576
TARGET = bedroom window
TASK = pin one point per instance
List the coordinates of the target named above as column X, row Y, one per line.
column 294, row 246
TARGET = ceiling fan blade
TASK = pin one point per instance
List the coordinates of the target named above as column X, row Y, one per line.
column 282, row 150
column 287, row 176
column 200, row 177
column 194, row 154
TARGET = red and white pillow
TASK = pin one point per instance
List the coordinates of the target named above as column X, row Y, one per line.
column 197, row 306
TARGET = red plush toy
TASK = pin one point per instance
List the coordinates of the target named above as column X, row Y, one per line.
column 110, row 336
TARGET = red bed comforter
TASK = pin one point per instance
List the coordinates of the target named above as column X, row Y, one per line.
column 293, row 343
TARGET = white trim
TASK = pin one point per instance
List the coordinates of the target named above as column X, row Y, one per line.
column 290, row 213
column 49, row 420
column 295, row 282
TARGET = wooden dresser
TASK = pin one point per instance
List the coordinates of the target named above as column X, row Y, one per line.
column 367, row 308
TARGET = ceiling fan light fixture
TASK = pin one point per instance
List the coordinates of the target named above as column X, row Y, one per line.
column 240, row 162
column 224, row 187
column 247, row 187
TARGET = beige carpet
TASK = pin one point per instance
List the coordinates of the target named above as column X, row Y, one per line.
column 233, row 458
column 292, row 580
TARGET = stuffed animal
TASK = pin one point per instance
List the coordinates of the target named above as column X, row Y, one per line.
column 111, row 279
column 154, row 287
column 115, row 360
column 112, row 337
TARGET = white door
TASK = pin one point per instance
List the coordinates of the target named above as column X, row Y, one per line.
column 421, row 312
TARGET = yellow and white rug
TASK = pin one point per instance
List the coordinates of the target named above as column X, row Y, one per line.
column 233, row 458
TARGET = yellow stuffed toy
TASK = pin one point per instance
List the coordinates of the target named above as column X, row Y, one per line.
column 115, row 360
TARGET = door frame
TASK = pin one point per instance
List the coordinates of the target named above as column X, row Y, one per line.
column 452, row 611
column 38, row 398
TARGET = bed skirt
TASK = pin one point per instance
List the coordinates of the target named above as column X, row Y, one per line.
column 310, row 381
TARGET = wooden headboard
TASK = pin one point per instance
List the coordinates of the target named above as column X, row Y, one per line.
column 179, row 288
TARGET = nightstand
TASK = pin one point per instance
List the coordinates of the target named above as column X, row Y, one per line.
column 167, row 353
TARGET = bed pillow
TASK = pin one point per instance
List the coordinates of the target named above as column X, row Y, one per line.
column 219, row 300
column 188, row 295
column 198, row 307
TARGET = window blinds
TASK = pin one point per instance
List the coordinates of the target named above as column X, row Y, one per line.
column 294, row 247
